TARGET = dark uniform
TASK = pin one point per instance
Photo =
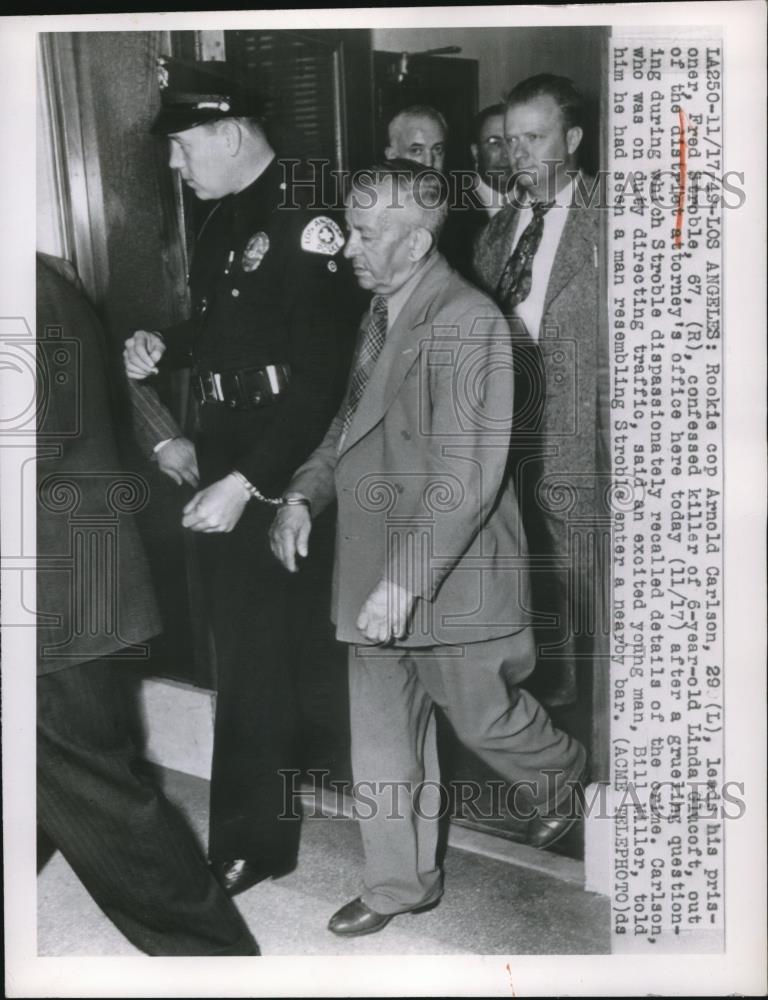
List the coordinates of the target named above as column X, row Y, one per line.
column 269, row 343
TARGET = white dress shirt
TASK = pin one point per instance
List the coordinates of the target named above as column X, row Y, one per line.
column 531, row 309
column 492, row 200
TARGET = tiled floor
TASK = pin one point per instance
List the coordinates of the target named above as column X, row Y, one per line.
column 489, row 907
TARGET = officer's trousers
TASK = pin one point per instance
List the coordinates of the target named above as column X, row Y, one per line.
column 394, row 754
column 129, row 847
column 256, row 702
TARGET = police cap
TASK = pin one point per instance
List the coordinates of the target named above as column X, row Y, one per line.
column 193, row 93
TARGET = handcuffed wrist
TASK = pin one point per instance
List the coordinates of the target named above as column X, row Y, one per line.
column 253, row 492
column 249, row 488
column 297, row 501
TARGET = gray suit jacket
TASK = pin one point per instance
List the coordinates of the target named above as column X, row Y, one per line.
column 421, row 484
column 562, row 467
column 574, row 416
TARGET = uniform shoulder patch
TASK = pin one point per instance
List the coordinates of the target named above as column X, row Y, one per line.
column 322, row 235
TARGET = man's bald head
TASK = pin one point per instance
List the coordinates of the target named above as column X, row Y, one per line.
column 418, row 133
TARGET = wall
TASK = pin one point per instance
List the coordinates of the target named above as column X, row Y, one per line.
column 507, row 55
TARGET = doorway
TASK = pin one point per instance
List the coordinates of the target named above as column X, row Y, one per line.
column 443, row 82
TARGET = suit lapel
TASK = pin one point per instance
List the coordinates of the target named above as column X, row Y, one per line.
column 401, row 350
column 575, row 251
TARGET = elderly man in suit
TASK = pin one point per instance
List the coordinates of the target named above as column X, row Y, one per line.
column 430, row 578
column 538, row 257
column 130, row 848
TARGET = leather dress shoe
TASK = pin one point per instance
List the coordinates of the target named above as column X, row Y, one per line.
column 355, row 918
column 546, row 829
column 237, row 875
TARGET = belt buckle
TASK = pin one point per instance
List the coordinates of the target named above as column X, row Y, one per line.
column 206, row 385
column 257, row 396
column 240, row 393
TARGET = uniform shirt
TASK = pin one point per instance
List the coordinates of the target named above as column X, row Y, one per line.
column 531, row 309
column 268, row 286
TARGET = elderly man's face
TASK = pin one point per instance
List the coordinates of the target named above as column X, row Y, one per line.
column 378, row 241
column 419, row 139
column 540, row 148
column 199, row 155
column 490, row 152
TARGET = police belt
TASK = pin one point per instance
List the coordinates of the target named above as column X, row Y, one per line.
column 241, row 388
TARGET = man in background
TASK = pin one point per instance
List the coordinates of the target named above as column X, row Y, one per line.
column 539, row 259
column 489, row 152
column 125, row 842
column 418, row 133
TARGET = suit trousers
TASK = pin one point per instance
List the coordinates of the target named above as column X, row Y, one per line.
column 394, row 752
column 129, row 847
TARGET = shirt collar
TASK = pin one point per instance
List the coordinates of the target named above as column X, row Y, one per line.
column 489, row 198
column 563, row 198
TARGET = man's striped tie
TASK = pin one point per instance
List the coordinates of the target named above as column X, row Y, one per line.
column 373, row 340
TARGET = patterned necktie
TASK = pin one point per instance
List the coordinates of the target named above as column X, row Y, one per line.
column 370, row 348
column 515, row 281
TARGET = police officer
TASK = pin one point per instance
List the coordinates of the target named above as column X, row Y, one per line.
column 266, row 342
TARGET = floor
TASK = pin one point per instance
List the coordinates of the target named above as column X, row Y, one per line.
column 490, row 906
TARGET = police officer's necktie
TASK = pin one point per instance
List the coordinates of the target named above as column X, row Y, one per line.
column 370, row 348
column 515, row 281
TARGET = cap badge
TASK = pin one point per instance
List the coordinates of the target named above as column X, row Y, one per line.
column 255, row 251
column 322, row 235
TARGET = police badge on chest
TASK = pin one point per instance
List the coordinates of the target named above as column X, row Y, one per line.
column 255, row 250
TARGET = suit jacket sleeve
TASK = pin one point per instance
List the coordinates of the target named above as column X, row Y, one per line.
column 152, row 421
column 316, row 477
column 464, row 453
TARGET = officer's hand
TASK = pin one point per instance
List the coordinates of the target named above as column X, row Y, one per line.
column 289, row 535
column 216, row 508
column 142, row 352
column 177, row 459
column 385, row 614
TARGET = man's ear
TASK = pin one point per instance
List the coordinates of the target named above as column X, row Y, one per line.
column 473, row 147
column 573, row 138
column 421, row 241
column 232, row 135
column 390, row 153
